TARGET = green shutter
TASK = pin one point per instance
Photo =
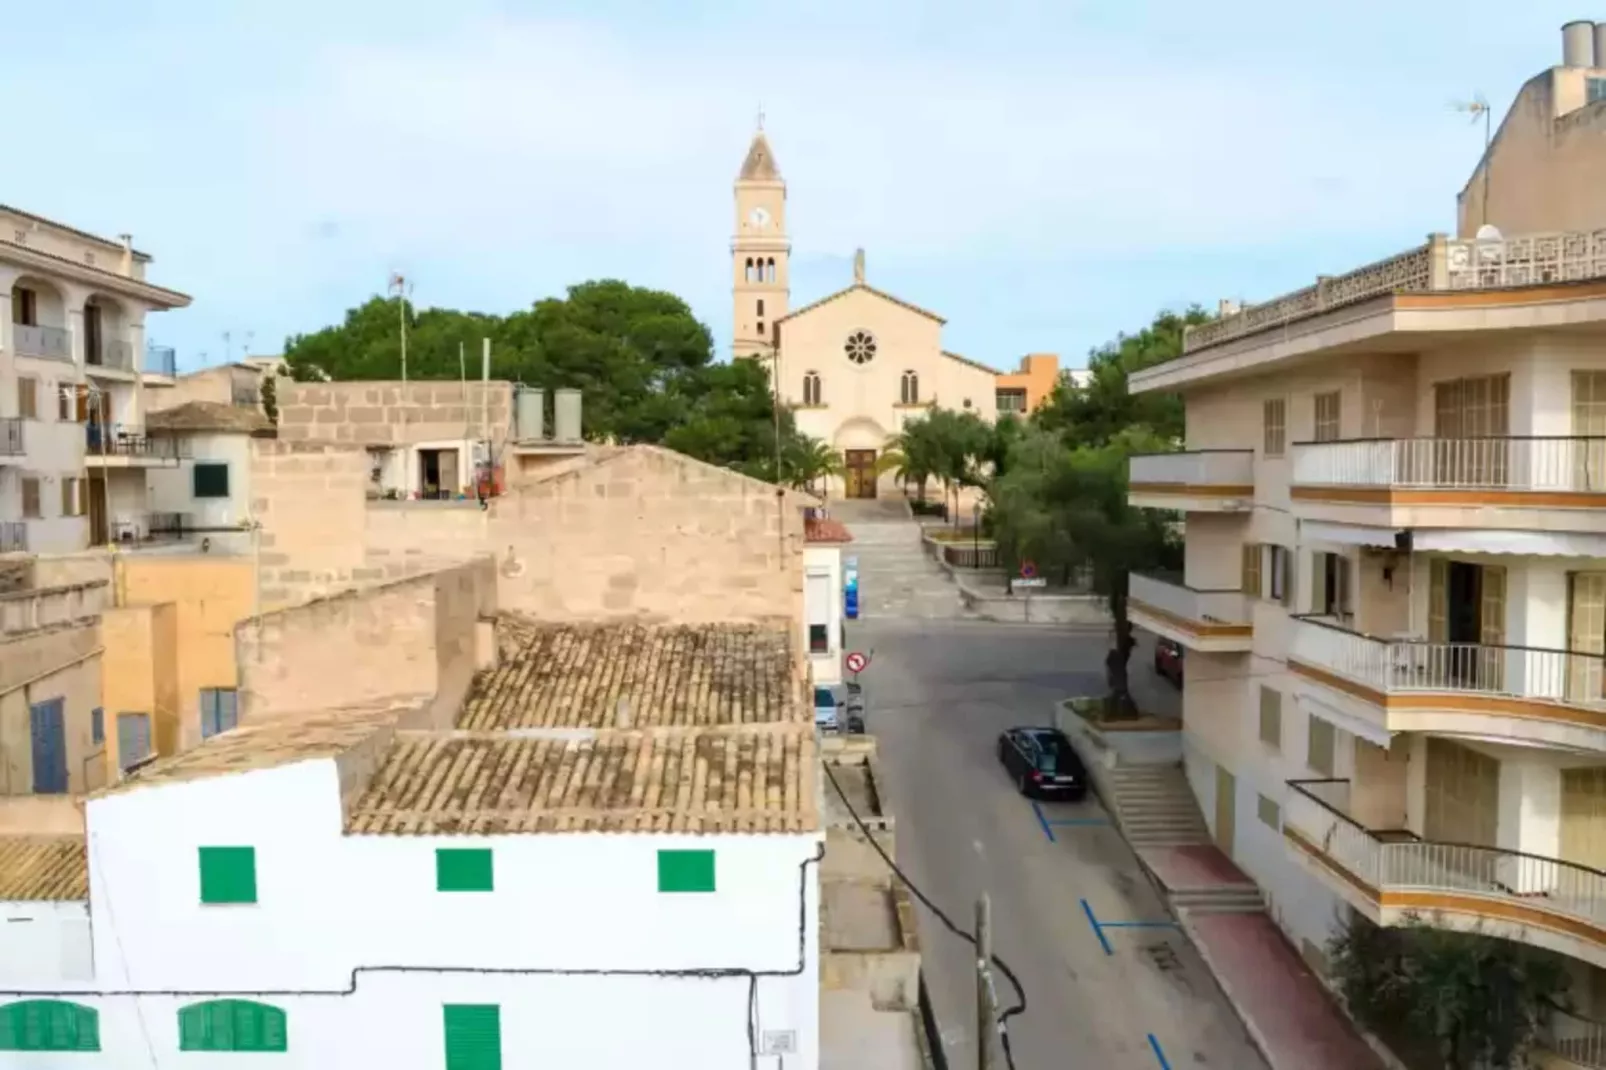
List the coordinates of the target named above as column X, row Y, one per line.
column 685, row 871
column 463, row 870
column 228, row 875
column 473, row 1036
column 49, row 1025
column 232, row 1025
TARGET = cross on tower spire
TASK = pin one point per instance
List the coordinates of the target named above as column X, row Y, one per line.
column 761, row 116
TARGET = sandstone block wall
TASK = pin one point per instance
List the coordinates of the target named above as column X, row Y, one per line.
column 394, row 413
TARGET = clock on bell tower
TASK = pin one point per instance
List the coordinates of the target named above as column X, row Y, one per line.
column 759, row 252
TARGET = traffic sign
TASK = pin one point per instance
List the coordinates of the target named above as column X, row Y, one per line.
column 857, row 662
column 1028, row 570
column 1031, row 581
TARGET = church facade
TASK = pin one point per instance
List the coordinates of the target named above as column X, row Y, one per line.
column 854, row 366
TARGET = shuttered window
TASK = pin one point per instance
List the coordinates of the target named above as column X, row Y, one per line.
column 232, row 1025
column 685, row 871
column 133, row 738
column 48, row 1025
column 473, row 1036
column 1327, row 416
column 1271, row 717
column 1251, row 570
column 228, row 874
column 1319, row 754
column 1275, row 419
column 463, row 870
column 211, row 480
column 220, row 710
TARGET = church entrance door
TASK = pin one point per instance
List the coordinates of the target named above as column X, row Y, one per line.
column 861, row 473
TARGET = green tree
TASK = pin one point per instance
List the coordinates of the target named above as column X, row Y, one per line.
column 1454, row 1000
column 808, row 461
column 270, row 397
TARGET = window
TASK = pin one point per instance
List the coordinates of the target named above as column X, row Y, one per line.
column 72, row 402
column 769, row 270
column 761, row 328
column 30, row 497
column 211, row 480
column 28, row 398
column 1253, row 552
column 909, row 391
column 761, row 311
column 232, row 1025
column 1329, row 594
column 860, row 347
column 1595, row 88
column 1271, row 815
column 228, row 874
column 817, row 601
column 24, row 306
column 220, row 710
column 49, row 1025
column 1275, row 417
column 1327, row 413
column 70, row 503
column 685, row 871
column 747, row 275
column 1011, row 401
column 463, row 870
column 1282, row 575
column 133, row 739
column 97, row 726
column 1320, row 749
column 473, row 1036
column 811, row 388
column 1271, row 717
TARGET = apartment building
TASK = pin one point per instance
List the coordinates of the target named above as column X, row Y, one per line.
column 1394, row 602
column 74, row 364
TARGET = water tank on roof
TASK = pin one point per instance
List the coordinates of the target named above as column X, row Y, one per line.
column 566, row 415
column 1578, row 44
column 530, row 414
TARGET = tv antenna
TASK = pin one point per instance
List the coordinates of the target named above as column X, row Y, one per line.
column 1478, row 108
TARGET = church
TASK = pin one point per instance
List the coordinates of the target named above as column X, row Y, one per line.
column 857, row 364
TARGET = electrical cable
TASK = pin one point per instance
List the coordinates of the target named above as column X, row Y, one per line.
column 948, row 923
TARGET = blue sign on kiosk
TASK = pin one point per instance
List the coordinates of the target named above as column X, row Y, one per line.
column 850, row 588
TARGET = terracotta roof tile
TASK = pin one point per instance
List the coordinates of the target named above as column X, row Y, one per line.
column 208, row 416
column 824, row 530
column 43, row 867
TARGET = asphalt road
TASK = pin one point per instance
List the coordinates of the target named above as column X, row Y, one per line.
column 939, row 692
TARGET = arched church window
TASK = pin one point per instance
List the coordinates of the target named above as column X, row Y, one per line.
column 769, row 270
column 860, row 347
column 750, row 276
column 910, row 392
column 811, row 388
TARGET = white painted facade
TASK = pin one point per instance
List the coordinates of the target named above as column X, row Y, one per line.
column 588, row 961
column 171, row 489
column 822, row 607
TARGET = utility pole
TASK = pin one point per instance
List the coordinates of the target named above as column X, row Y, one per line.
column 986, row 997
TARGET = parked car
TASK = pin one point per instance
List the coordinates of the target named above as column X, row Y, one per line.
column 1042, row 763
column 827, row 710
column 1168, row 660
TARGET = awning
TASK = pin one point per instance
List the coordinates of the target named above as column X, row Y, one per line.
column 1347, row 534
column 1543, row 543
column 1355, row 726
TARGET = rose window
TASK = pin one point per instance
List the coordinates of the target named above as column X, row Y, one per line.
column 860, row 347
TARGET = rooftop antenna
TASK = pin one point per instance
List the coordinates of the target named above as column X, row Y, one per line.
column 1478, row 108
column 401, row 288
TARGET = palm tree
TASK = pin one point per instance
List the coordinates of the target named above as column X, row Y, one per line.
column 808, row 460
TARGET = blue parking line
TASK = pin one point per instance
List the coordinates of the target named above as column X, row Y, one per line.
column 1154, row 1045
column 1042, row 819
column 1098, row 930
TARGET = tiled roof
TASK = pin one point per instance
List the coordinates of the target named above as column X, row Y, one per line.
column 208, row 416
column 43, row 867
column 825, row 530
column 577, row 675
column 727, row 779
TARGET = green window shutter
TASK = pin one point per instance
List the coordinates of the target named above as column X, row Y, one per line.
column 685, row 871
column 473, row 1036
column 463, row 870
column 228, row 874
column 211, row 480
column 49, row 1025
column 232, row 1025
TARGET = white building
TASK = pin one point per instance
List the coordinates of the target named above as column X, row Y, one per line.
column 1395, row 593
column 822, row 597
column 205, row 492
column 73, row 366
column 537, row 886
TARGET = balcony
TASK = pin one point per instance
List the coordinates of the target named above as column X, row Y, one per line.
column 43, row 607
column 1390, row 875
column 1203, row 481
column 161, row 360
column 49, row 343
column 13, row 537
column 118, row 446
column 1374, row 686
column 1577, row 1040
column 12, row 443
column 110, row 353
column 1215, row 621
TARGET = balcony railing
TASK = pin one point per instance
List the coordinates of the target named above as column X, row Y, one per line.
column 111, row 353
column 1396, row 860
column 22, row 611
column 153, row 527
column 13, row 536
column 1579, row 1040
column 119, row 441
column 51, row 343
column 12, row 443
column 1563, row 464
column 1169, row 594
column 161, row 360
column 1234, row 468
column 1406, row 665
column 1441, row 264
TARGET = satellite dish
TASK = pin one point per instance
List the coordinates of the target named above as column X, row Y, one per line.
column 1489, row 232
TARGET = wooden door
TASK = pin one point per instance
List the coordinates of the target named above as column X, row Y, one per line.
column 861, row 473
column 1586, row 635
column 1471, row 419
column 1589, row 421
column 1583, row 816
column 1462, row 794
column 1226, row 809
column 1492, row 628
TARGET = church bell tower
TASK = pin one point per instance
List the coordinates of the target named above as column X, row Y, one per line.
column 760, row 283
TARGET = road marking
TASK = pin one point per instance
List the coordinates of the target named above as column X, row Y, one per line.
column 1042, row 819
column 1098, row 930
column 1154, row 1045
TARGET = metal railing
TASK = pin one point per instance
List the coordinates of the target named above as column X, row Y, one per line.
column 51, row 343
column 13, row 536
column 12, row 442
column 1575, row 1038
column 161, row 360
column 1169, row 593
column 111, row 353
column 982, row 553
column 1395, row 859
column 118, row 441
column 1570, row 463
column 1195, row 468
column 22, row 611
column 1575, row 678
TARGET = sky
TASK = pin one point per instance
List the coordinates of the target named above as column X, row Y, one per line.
column 1045, row 175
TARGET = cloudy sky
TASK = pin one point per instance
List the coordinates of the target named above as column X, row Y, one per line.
column 1044, row 173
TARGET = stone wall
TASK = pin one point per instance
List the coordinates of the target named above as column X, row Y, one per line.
column 394, row 413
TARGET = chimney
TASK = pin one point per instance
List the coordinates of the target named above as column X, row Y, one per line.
column 1578, row 44
column 1227, row 307
column 126, row 266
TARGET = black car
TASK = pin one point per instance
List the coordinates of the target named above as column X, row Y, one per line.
column 1042, row 764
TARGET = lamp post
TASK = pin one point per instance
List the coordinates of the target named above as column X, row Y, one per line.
column 975, row 534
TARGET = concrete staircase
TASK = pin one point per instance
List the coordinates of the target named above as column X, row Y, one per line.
column 1156, row 806
column 1243, row 899
column 896, row 577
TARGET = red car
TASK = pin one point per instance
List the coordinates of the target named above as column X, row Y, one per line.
column 1168, row 660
